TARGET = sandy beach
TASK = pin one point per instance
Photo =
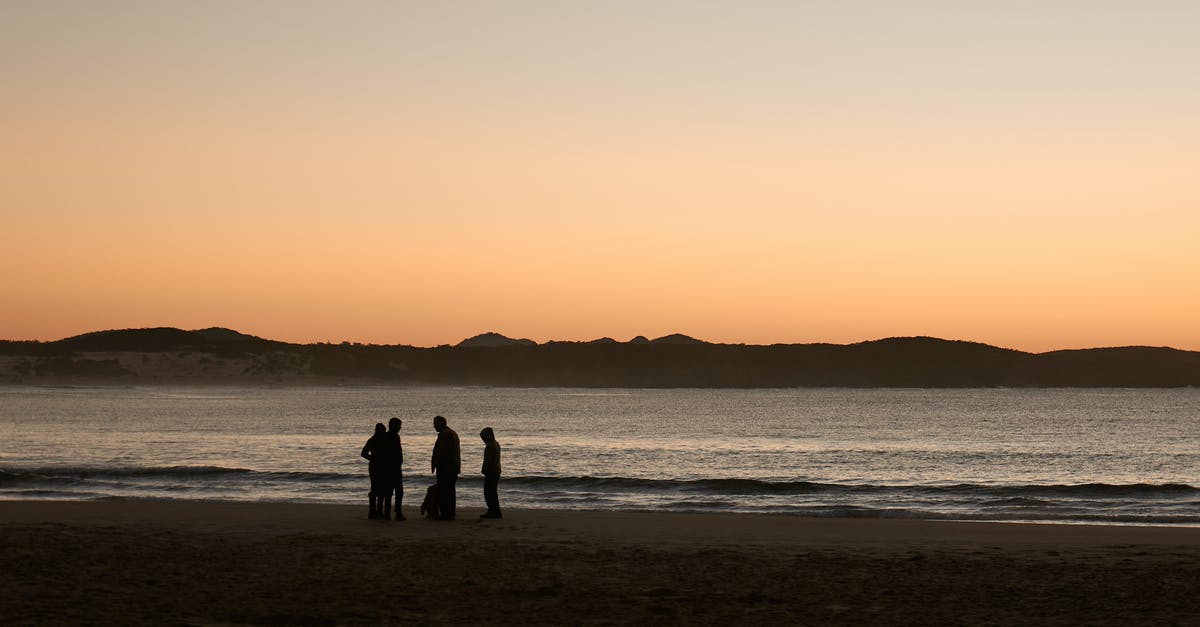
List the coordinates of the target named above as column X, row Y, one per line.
column 148, row 562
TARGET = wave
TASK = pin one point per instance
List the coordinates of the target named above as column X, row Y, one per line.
column 10, row 476
column 756, row 486
column 1132, row 503
column 996, row 493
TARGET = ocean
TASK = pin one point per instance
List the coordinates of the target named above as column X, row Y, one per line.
column 1128, row 456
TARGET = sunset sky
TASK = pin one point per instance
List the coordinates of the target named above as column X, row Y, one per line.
column 1021, row 173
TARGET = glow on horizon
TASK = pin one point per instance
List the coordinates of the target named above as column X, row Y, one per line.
column 1019, row 175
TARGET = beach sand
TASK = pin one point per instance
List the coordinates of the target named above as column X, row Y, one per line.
column 146, row 562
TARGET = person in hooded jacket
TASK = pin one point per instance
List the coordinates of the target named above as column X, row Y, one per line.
column 491, row 472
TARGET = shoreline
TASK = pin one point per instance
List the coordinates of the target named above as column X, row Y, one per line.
column 537, row 512
column 313, row 381
column 192, row 562
column 726, row 527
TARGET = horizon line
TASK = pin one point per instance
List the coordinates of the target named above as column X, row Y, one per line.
column 637, row 339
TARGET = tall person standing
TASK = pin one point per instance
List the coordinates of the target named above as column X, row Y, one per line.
column 395, row 469
column 447, row 463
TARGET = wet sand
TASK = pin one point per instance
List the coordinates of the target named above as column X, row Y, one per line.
column 145, row 562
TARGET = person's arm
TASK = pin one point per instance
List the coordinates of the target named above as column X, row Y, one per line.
column 433, row 463
column 366, row 452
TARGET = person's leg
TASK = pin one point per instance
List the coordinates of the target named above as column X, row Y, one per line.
column 447, row 496
column 399, row 496
column 445, row 490
column 491, row 495
column 387, row 501
column 374, row 496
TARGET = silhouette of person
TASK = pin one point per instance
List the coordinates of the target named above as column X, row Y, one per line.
column 491, row 472
column 447, row 463
column 395, row 470
column 375, row 451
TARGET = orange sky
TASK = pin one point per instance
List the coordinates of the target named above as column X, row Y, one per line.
column 740, row 172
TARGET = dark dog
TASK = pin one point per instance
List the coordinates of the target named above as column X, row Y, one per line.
column 429, row 507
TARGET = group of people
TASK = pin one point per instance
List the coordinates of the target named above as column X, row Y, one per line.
column 385, row 454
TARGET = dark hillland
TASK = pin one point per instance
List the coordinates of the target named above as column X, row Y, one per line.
column 222, row 356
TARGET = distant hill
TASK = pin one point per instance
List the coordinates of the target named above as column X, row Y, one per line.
column 493, row 340
column 165, row 339
column 224, row 356
column 676, row 338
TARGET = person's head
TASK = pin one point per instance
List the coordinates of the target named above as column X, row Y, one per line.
column 394, row 425
column 487, row 435
column 379, row 429
column 439, row 423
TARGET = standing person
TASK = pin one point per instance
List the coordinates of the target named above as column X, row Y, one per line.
column 491, row 472
column 447, row 463
column 395, row 470
column 375, row 451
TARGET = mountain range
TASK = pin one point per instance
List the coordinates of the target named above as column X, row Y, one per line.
column 223, row 356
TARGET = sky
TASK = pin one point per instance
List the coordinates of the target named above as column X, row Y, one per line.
column 1019, row 173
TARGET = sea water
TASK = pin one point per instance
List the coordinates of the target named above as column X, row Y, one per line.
column 1065, row 455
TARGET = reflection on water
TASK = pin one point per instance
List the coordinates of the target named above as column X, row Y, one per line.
column 977, row 453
